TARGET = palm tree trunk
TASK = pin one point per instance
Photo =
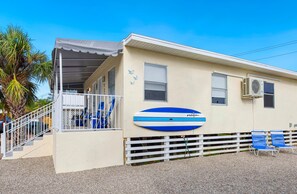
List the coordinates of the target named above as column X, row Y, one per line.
column 17, row 110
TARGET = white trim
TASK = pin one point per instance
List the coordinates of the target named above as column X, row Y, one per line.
column 242, row 63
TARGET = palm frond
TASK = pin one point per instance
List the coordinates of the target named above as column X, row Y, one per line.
column 30, row 95
column 15, row 90
column 20, row 67
column 3, row 75
column 43, row 71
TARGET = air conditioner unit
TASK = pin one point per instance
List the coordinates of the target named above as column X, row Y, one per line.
column 252, row 88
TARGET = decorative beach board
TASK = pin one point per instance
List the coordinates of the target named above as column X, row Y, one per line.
column 169, row 119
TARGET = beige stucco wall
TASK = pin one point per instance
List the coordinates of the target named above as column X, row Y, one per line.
column 76, row 151
column 189, row 86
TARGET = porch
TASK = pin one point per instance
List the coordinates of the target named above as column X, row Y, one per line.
column 81, row 116
column 79, row 106
column 87, row 105
column 87, row 112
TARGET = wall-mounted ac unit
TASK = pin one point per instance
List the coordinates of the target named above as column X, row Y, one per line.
column 252, row 88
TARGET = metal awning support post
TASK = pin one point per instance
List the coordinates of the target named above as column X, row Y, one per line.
column 61, row 91
column 61, row 73
column 56, row 86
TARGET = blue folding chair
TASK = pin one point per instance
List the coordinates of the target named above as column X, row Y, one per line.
column 259, row 143
column 104, row 120
column 278, row 140
column 81, row 120
column 95, row 120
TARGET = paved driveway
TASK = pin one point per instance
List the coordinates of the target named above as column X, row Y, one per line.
column 229, row 173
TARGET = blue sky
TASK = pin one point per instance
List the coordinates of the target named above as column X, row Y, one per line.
column 227, row 27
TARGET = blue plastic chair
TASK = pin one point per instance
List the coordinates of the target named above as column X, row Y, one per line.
column 104, row 120
column 81, row 120
column 259, row 143
column 95, row 120
column 278, row 140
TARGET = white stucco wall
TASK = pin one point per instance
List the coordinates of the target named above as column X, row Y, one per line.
column 76, row 151
column 189, row 86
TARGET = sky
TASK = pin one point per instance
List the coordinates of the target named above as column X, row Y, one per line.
column 227, row 27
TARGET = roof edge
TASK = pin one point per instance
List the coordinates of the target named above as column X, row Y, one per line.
column 214, row 55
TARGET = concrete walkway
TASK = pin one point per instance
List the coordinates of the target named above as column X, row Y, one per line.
column 229, row 173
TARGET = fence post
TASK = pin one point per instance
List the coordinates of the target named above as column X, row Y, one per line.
column 166, row 149
column 11, row 137
column 238, row 142
column 290, row 137
column 201, row 144
column 128, row 150
column 3, row 141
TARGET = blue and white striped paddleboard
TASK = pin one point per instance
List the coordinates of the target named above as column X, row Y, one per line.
column 169, row 119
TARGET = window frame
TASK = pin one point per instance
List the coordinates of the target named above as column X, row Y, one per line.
column 268, row 94
column 166, row 84
column 226, row 90
column 108, row 88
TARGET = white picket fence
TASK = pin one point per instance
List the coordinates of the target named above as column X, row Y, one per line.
column 164, row 148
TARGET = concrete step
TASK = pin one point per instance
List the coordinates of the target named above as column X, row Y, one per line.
column 37, row 148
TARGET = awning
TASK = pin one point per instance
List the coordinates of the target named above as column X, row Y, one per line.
column 80, row 58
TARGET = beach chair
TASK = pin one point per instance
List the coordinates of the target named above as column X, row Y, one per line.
column 278, row 140
column 81, row 119
column 98, row 117
column 104, row 121
column 107, row 118
column 259, row 143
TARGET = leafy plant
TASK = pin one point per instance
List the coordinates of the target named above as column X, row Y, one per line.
column 21, row 69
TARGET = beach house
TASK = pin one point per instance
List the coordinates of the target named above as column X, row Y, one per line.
column 145, row 99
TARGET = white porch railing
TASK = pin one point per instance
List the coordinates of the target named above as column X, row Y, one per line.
column 20, row 131
column 87, row 112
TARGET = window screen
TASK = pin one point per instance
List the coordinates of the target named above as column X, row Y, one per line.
column 155, row 82
column 268, row 95
column 219, row 89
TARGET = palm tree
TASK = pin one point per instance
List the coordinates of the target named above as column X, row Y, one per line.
column 21, row 68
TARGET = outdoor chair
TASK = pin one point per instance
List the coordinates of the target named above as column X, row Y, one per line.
column 278, row 140
column 259, row 143
column 98, row 117
column 103, row 119
column 81, row 120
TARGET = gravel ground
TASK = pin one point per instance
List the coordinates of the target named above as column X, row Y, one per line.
column 229, row 173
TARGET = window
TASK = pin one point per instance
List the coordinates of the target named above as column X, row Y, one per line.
column 111, row 82
column 155, row 82
column 268, row 95
column 219, row 89
column 100, row 86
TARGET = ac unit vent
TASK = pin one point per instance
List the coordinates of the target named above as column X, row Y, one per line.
column 252, row 88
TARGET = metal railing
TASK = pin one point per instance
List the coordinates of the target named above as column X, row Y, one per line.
column 25, row 129
column 88, row 112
